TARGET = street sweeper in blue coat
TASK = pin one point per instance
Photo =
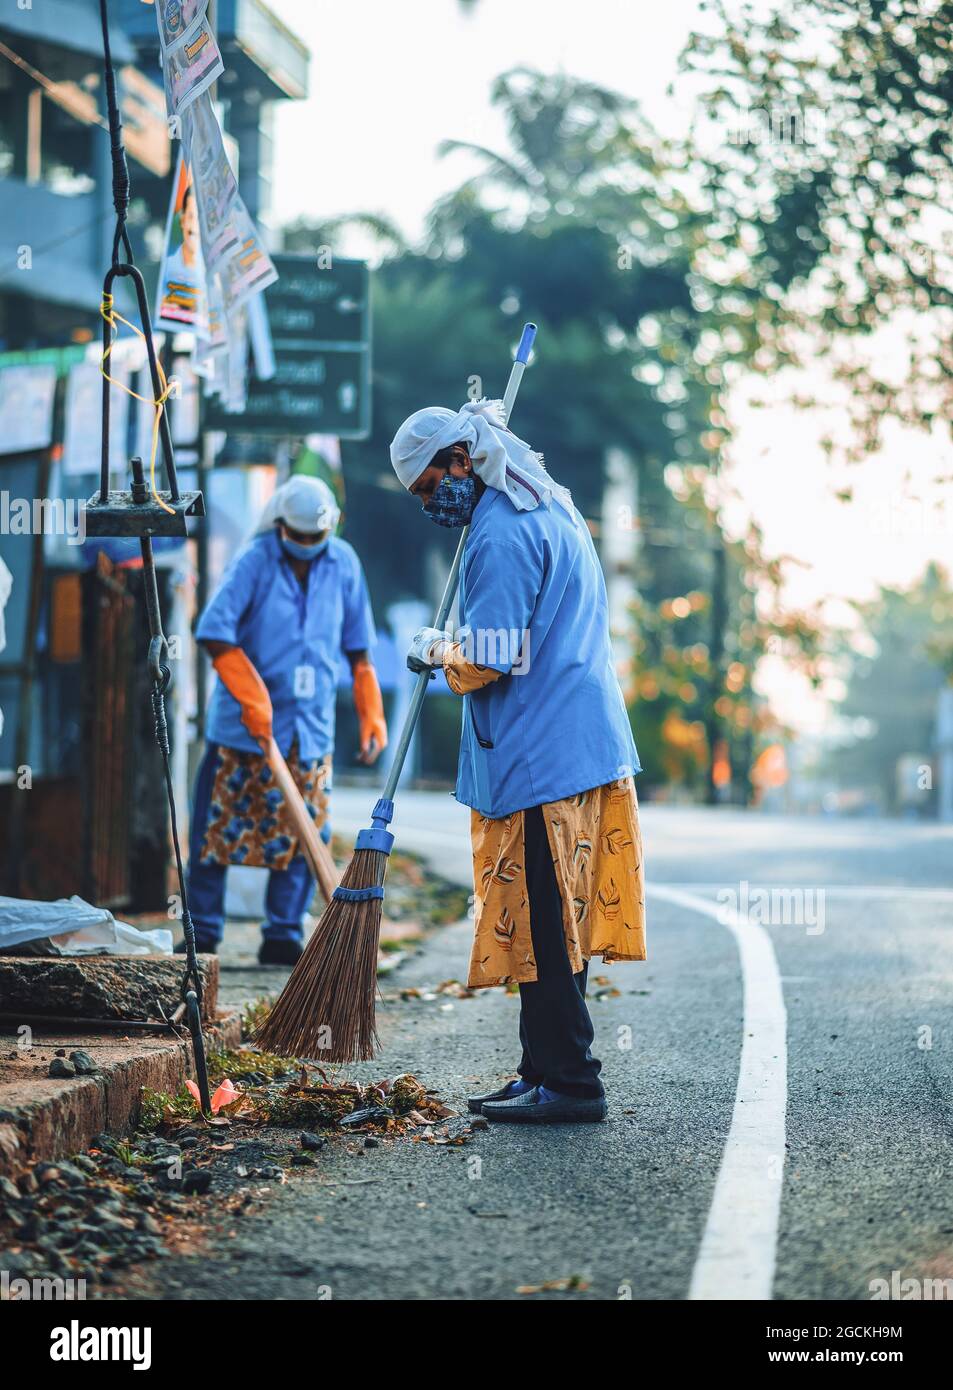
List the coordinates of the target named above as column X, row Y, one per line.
column 290, row 603
column 547, row 758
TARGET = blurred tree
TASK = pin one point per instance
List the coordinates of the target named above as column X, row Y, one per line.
column 892, row 691
column 696, row 652
column 826, row 210
column 574, row 231
column 304, row 236
column 580, row 228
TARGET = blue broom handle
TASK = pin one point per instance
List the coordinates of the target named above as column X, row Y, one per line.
column 446, row 603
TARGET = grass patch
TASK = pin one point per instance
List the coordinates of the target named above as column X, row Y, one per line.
column 243, row 1062
column 159, row 1108
column 254, row 1014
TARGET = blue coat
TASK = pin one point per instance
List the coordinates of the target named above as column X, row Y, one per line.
column 292, row 635
column 533, row 605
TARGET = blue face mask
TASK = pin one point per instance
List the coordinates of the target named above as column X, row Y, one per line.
column 453, row 501
column 297, row 551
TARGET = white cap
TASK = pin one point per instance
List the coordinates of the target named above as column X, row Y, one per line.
column 305, row 504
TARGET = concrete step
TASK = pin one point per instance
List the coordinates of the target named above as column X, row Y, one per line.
column 42, row 1117
column 100, row 987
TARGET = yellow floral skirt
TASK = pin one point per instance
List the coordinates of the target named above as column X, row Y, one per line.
column 596, row 845
column 247, row 821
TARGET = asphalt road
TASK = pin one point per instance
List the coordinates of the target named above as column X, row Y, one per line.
column 780, row 1078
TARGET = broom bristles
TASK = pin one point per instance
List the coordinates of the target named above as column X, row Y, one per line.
column 327, row 1007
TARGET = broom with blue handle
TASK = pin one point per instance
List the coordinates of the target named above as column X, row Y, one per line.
column 327, row 1008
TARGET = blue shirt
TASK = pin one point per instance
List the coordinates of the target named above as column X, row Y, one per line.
column 533, row 598
column 293, row 634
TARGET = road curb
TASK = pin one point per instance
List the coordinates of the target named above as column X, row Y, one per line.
column 42, row 1117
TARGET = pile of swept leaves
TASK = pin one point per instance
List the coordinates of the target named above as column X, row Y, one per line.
column 272, row 1091
column 395, row 1106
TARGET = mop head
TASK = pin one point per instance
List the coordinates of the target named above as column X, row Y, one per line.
column 326, row 1011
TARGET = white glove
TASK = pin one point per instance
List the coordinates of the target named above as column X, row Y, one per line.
column 426, row 649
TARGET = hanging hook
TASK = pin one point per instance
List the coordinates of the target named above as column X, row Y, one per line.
column 159, row 668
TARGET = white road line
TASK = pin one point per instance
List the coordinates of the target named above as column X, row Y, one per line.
column 737, row 1254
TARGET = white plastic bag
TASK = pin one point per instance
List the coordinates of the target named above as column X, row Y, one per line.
column 76, row 928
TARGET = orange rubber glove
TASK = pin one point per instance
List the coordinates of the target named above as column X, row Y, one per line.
column 240, row 679
column 370, row 709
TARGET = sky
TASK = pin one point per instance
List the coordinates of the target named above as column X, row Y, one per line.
column 389, row 83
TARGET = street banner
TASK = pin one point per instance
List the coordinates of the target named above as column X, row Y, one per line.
column 236, row 363
column 83, row 422
column 26, row 407
column 178, row 20
column 211, row 352
column 209, row 224
column 181, row 297
column 191, row 68
column 259, row 334
column 248, row 269
column 215, row 184
column 230, row 239
column 213, row 334
column 184, row 406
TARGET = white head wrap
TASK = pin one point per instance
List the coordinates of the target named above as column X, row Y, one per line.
column 305, row 504
column 501, row 459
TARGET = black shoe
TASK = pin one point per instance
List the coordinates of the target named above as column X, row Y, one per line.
column 211, row 950
column 528, row 1109
column 280, row 952
column 475, row 1103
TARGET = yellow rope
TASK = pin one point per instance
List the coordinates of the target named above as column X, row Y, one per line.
column 112, row 318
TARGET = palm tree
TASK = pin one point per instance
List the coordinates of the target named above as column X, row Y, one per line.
column 386, row 236
column 577, row 150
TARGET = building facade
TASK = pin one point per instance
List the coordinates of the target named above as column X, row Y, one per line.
column 79, row 782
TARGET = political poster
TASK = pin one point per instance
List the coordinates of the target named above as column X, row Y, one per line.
column 191, row 68
column 216, row 185
column 177, row 20
column 181, row 294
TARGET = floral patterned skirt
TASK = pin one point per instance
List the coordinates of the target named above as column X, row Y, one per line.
column 596, row 845
column 247, row 821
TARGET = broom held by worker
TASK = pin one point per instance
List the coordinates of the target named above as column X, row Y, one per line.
column 291, row 601
column 547, row 759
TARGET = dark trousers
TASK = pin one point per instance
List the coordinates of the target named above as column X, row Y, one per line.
column 555, row 1028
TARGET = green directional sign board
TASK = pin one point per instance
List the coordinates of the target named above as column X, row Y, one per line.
column 320, row 328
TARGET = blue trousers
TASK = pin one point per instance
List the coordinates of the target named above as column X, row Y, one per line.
column 289, row 890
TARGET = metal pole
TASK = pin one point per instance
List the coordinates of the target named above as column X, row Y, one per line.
column 205, row 461
column 716, row 657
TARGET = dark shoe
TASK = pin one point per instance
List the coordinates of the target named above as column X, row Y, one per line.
column 504, row 1093
column 528, row 1109
column 207, row 950
column 280, row 952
